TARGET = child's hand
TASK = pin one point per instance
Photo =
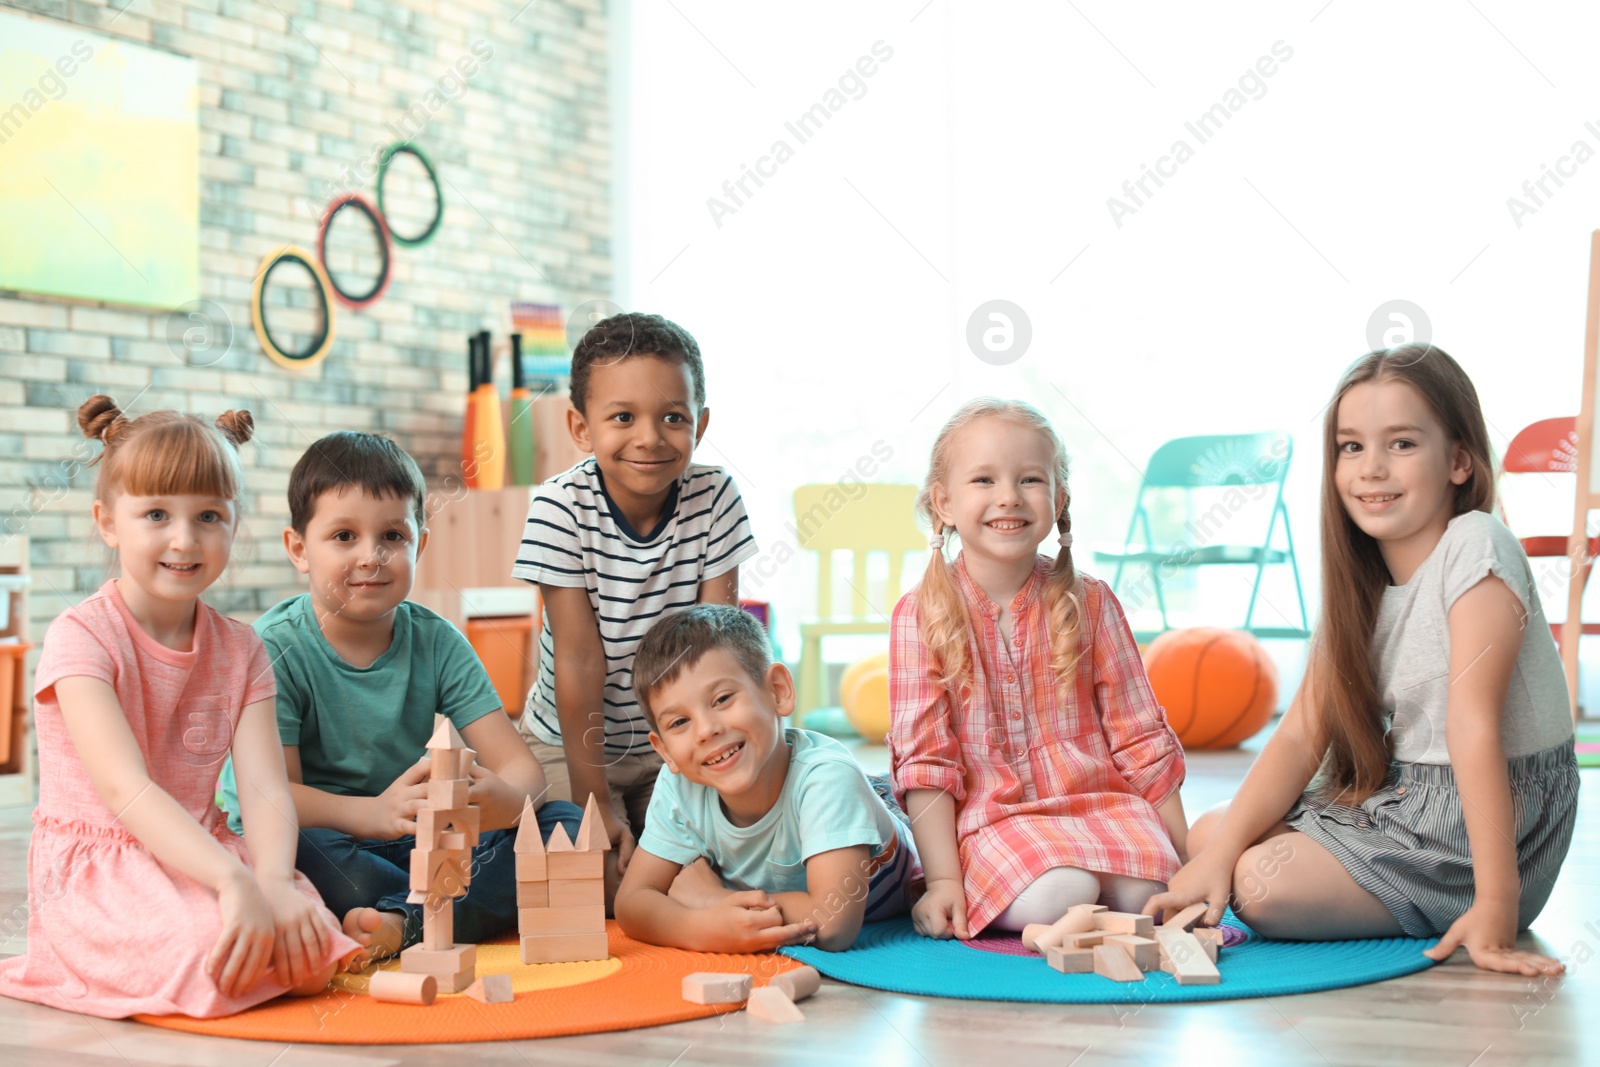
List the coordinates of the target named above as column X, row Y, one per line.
column 300, row 941
column 698, row 886
column 750, row 921
column 942, row 911
column 1207, row 878
column 492, row 793
column 622, row 838
column 241, row 954
column 1489, row 934
column 395, row 809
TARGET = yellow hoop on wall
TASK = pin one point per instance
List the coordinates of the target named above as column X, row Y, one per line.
column 258, row 311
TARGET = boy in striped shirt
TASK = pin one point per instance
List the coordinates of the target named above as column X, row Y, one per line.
column 630, row 534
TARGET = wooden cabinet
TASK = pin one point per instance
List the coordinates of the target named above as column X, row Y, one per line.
column 16, row 759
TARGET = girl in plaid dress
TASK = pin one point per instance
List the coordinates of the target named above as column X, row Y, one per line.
column 1026, row 743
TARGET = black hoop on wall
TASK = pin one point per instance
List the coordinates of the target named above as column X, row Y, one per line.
column 406, row 147
column 359, row 202
column 320, row 344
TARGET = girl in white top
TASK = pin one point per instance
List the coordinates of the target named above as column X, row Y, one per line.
column 1433, row 725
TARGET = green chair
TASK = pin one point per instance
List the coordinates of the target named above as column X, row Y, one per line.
column 859, row 519
column 1214, row 474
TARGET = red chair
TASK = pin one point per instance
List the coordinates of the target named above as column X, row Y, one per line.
column 1550, row 446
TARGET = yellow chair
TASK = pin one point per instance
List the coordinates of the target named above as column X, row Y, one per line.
column 859, row 519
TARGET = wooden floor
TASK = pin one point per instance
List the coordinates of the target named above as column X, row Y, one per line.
column 1452, row 1014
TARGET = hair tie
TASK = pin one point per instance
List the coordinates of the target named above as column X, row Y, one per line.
column 1065, row 539
column 936, row 542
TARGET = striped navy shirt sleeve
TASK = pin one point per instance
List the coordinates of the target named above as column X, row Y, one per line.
column 573, row 538
column 552, row 550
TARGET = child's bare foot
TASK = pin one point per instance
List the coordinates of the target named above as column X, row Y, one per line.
column 316, row 983
column 378, row 932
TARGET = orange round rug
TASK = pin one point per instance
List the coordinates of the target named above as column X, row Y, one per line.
column 640, row 985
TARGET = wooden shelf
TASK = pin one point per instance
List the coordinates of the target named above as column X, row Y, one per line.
column 17, row 769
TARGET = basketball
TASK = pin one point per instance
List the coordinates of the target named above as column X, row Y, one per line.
column 1218, row 686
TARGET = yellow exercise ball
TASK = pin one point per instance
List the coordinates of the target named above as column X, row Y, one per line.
column 866, row 698
column 854, row 672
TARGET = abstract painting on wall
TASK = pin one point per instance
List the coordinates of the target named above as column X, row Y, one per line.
column 99, row 167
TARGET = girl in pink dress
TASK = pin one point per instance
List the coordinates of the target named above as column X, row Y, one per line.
column 1026, row 743
column 139, row 898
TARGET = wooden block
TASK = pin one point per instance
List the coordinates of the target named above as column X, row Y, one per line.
column 454, row 842
column 773, row 1005
column 559, row 841
column 447, row 793
column 1185, row 919
column 565, row 948
column 528, row 839
column 712, row 987
column 450, row 882
column 576, row 865
column 592, row 836
column 532, row 894
column 1078, row 919
column 585, row 919
column 1190, row 964
column 439, row 923
column 1123, row 922
column 1210, row 939
column 1031, row 935
column 431, row 867
column 398, row 987
column 1144, row 951
column 434, row 821
column 492, row 989
column 532, row 867
column 440, row 962
column 576, row 892
column 1069, row 960
column 1113, row 963
column 799, row 983
column 445, row 735
column 1088, row 939
column 451, row 873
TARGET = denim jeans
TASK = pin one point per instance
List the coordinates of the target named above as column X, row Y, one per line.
column 351, row 873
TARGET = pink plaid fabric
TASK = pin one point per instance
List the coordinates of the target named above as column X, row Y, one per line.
column 1039, row 782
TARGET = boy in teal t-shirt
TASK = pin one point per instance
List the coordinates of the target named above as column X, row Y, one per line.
column 361, row 674
column 799, row 844
column 429, row 668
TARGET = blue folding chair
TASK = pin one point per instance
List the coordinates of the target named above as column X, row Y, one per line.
column 1192, row 466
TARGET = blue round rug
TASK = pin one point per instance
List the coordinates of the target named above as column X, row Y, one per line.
column 892, row 956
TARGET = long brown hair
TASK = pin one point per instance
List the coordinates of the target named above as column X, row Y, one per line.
column 945, row 625
column 1348, row 726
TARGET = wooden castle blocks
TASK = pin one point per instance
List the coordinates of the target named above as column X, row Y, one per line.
column 561, row 890
column 441, row 864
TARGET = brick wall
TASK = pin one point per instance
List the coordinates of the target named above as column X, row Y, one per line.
column 294, row 94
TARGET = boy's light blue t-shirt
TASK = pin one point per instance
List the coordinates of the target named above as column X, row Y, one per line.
column 826, row 803
column 359, row 728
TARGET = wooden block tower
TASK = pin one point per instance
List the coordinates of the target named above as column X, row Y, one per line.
column 561, row 890
column 441, row 863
